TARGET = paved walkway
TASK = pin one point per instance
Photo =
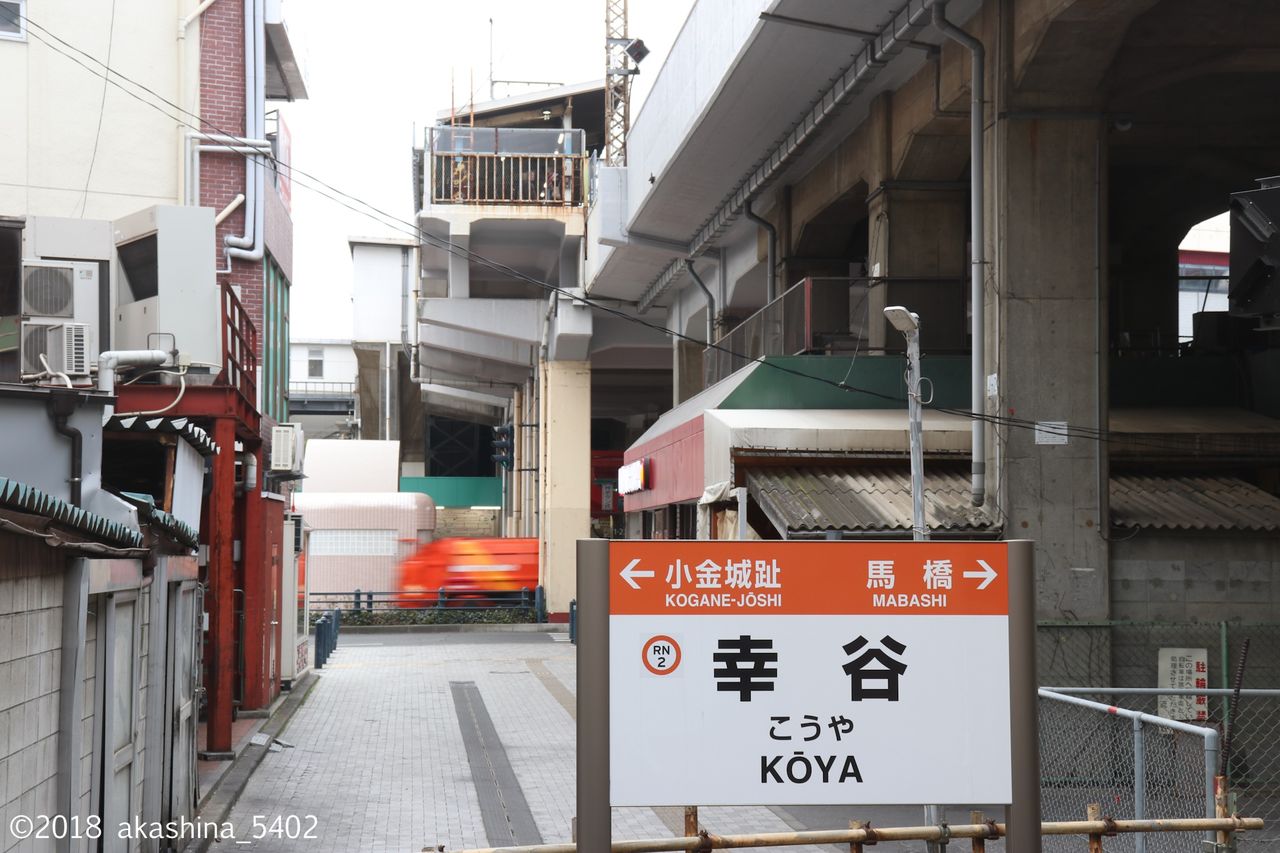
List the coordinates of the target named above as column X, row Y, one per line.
column 464, row 740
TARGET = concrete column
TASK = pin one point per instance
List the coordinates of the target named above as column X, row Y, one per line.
column 460, row 266
column 922, row 232
column 1042, row 340
column 566, row 475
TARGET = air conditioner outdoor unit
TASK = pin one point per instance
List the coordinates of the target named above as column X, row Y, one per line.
column 66, row 347
column 286, row 449
column 48, row 288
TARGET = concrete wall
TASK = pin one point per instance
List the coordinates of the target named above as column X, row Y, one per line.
column 51, row 107
column 1195, row 577
column 377, row 276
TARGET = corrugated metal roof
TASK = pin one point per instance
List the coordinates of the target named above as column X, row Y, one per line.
column 181, row 531
column 194, row 435
column 20, row 496
column 1192, row 503
column 869, row 498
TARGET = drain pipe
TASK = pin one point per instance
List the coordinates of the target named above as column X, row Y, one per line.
column 249, row 246
column 711, row 302
column 771, row 275
column 977, row 237
column 61, row 406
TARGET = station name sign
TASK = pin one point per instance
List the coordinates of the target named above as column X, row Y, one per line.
column 795, row 673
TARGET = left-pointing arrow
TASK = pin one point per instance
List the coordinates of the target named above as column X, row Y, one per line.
column 631, row 572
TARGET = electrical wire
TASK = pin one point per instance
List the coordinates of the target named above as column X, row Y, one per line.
column 357, row 205
column 102, row 110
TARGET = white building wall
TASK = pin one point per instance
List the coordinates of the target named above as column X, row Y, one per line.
column 378, row 275
column 51, row 108
column 339, row 361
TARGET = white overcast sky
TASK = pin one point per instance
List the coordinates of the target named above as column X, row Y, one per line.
column 378, row 70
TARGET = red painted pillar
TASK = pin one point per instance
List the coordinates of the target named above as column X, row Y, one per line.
column 276, row 548
column 257, row 592
column 221, row 595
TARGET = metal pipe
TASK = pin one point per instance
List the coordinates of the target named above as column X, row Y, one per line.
column 977, row 238
column 892, row 833
column 1139, row 783
column 61, row 405
column 1150, row 719
column 771, row 274
column 404, row 300
column 110, row 360
column 711, row 303
column 250, row 246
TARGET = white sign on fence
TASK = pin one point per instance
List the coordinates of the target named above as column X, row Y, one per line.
column 746, row 673
column 1183, row 669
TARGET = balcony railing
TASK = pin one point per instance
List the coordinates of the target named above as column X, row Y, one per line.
column 303, row 389
column 830, row 316
column 488, row 165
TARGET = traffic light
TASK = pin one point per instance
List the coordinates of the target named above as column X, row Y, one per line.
column 503, row 446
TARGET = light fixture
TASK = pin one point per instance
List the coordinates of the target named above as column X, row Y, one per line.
column 636, row 50
column 902, row 319
column 546, row 115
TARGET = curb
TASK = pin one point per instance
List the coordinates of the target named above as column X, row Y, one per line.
column 216, row 805
column 461, row 628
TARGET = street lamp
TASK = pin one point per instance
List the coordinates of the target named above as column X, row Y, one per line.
column 908, row 323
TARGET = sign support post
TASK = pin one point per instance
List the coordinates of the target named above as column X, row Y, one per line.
column 1023, row 816
column 595, row 829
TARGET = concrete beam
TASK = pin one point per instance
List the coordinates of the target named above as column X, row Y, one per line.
column 478, row 369
column 476, row 344
column 570, row 333
column 510, row 319
column 464, row 395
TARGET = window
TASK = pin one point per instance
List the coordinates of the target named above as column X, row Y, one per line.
column 315, row 363
column 13, row 24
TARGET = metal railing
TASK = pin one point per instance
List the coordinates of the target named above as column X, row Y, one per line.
column 301, row 389
column 1137, row 763
column 816, row 315
column 370, row 607
column 484, row 165
column 1252, row 769
column 239, row 347
column 1096, row 829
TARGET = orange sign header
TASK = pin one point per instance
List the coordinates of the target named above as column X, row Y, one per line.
column 808, row 578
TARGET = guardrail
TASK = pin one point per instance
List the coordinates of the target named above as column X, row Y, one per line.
column 443, row 599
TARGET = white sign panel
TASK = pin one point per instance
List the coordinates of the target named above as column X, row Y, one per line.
column 808, row 673
column 1183, row 669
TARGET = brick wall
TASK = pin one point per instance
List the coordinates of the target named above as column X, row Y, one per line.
column 30, row 641
column 459, row 521
column 223, row 175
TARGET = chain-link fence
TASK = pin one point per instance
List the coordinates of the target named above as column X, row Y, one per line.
column 1091, row 756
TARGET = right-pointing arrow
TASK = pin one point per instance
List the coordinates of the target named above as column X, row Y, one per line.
column 987, row 574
